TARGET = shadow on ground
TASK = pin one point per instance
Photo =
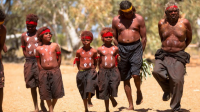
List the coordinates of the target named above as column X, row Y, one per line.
column 169, row 110
column 138, row 110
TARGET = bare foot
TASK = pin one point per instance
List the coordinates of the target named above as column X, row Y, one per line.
column 37, row 110
column 90, row 103
column 130, row 108
column 139, row 98
column 113, row 101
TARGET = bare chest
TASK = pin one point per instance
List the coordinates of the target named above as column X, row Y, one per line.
column 86, row 55
column 107, row 51
column 31, row 41
column 179, row 30
column 47, row 51
column 130, row 24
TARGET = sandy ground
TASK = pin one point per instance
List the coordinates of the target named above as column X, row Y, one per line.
column 18, row 99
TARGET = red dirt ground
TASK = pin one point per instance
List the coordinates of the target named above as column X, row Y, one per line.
column 18, row 99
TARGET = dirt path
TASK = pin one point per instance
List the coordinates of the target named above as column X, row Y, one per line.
column 18, row 99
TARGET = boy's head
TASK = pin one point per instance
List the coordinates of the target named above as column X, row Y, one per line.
column 86, row 37
column 106, row 34
column 44, row 34
column 2, row 17
column 31, row 22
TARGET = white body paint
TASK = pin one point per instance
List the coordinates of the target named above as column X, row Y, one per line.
column 35, row 38
column 46, row 50
column 29, row 46
column 105, row 58
column 50, row 58
column 85, row 65
column 30, row 52
column 104, row 51
column 111, row 52
column 36, row 44
column 90, row 64
column 27, row 38
column 84, row 58
column 105, row 63
column 90, row 53
column 34, row 51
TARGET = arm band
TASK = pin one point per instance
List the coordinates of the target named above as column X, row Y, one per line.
column 37, row 56
column 23, row 46
column 97, row 57
column 75, row 60
column 116, row 59
column 58, row 53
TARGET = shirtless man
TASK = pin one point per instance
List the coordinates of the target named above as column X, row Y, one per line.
column 129, row 27
column 48, row 60
column 175, row 34
column 2, row 44
column 29, row 44
column 108, row 75
column 86, row 78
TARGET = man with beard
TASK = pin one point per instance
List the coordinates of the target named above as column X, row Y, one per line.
column 129, row 27
column 175, row 34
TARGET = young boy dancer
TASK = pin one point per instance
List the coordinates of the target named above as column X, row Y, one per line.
column 49, row 59
column 86, row 63
column 108, row 75
column 29, row 44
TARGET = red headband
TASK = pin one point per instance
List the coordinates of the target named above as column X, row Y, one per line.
column 108, row 34
column 86, row 37
column 31, row 22
column 173, row 6
column 47, row 30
